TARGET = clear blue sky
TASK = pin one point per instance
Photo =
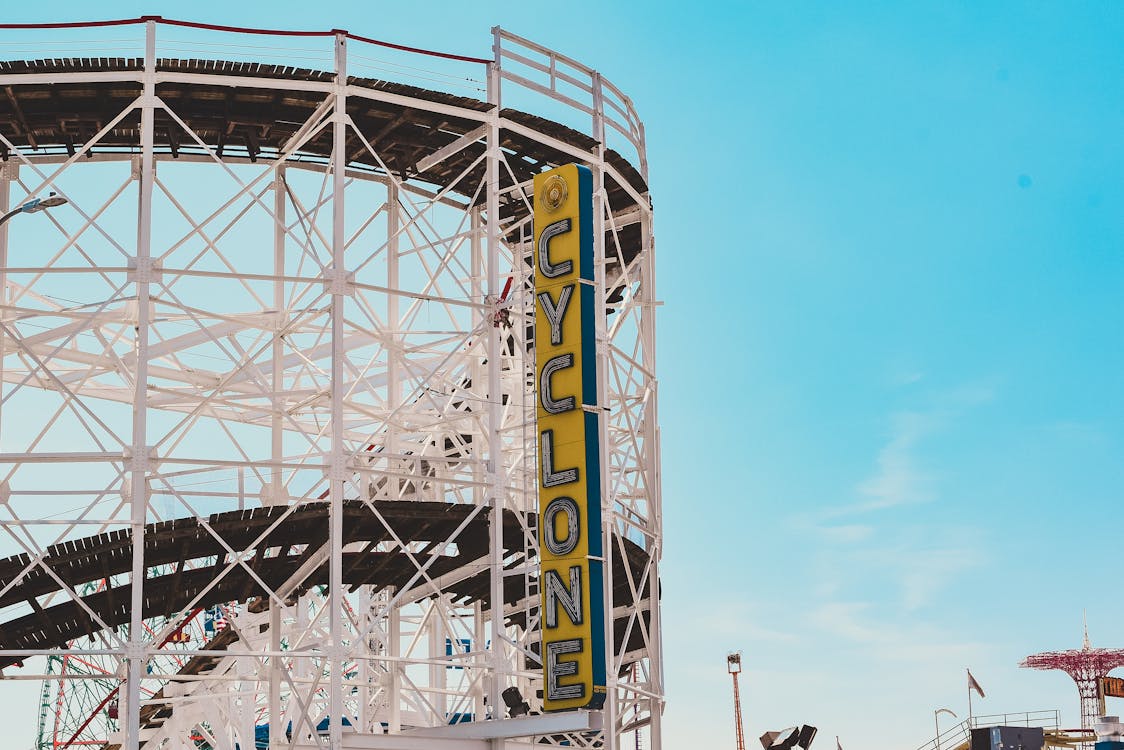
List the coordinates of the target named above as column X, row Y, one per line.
column 891, row 245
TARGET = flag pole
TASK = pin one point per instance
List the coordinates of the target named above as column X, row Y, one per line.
column 969, row 701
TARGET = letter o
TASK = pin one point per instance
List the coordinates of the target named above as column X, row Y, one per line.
column 554, row 545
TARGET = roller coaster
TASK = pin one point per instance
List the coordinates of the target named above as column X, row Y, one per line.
column 267, row 427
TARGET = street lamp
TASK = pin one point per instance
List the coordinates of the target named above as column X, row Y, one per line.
column 34, row 205
column 936, row 722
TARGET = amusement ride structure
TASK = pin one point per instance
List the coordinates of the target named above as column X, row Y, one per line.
column 1086, row 666
column 267, row 424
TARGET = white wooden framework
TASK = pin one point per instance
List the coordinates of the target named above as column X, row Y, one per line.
column 199, row 332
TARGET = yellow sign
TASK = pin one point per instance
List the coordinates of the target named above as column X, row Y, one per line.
column 572, row 581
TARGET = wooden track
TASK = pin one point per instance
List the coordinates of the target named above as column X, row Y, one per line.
column 192, row 557
column 255, row 122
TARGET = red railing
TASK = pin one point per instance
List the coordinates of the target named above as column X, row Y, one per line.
column 243, row 30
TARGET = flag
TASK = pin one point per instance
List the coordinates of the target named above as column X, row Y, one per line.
column 214, row 621
column 973, row 685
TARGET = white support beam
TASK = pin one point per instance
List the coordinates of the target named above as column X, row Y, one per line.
column 523, row 726
column 399, row 742
column 445, row 152
column 479, row 735
column 139, row 468
column 337, row 477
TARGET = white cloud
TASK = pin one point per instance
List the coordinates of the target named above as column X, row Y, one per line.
column 912, row 569
column 1079, row 432
column 737, row 622
column 901, row 378
column 892, row 639
column 925, row 572
column 849, row 533
column 899, row 479
column 901, row 476
column 971, row 395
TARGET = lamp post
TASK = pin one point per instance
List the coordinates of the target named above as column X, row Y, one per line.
column 34, row 205
column 734, row 667
column 936, row 722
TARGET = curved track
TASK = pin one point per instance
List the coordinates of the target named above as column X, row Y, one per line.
column 239, row 120
column 275, row 544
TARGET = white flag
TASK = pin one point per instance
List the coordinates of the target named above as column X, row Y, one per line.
column 973, row 685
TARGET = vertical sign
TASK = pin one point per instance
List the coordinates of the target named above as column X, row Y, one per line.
column 571, row 582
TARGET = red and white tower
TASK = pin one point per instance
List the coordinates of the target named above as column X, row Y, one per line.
column 1086, row 666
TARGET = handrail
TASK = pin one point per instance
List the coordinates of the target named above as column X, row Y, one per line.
column 242, row 30
column 562, row 78
column 608, row 107
column 1047, row 719
column 957, row 735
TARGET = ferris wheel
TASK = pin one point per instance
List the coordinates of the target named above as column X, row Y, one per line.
column 80, row 705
